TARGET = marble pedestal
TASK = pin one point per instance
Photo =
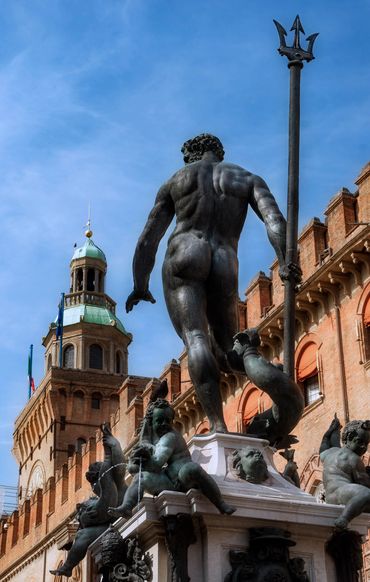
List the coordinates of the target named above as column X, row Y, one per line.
column 275, row 503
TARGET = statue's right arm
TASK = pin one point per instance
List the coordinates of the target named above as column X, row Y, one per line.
column 266, row 208
column 158, row 221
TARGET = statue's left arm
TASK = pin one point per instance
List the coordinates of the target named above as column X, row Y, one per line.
column 331, row 438
column 158, row 221
column 265, row 206
column 109, row 495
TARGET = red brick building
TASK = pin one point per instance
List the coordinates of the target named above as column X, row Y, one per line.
column 55, row 435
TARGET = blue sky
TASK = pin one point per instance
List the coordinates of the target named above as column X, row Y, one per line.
column 96, row 99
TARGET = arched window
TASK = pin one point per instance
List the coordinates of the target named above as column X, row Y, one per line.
column 253, row 401
column 78, row 394
column 91, row 279
column 79, row 442
column 96, row 357
column 202, row 428
column 251, row 407
column 79, row 280
column 118, row 363
column 49, row 362
column 95, row 400
column 69, row 357
column 308, row 373
column 366, row 322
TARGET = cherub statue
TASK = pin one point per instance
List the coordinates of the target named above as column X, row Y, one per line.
column 346, row 479
column 107, row 482
column 161, row 461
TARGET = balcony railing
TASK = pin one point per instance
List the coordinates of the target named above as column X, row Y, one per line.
column 90, row 298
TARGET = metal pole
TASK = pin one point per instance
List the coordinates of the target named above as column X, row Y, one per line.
column 296, row 55
column 292, row 215
column 60, row 328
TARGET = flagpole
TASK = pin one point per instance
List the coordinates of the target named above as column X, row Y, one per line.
column 59, row 331
column 30, row 379
column 296, row 55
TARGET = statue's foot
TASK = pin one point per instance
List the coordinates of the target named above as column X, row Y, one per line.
column 217, row 425
column 67, row 572
column 341, row 524
column 121, row 511
column 225, row 508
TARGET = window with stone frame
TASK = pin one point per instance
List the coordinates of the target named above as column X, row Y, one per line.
column 95, row 400
column 118, row 362
column 96, row 357
column 308, row 373
column 255, row 403
column 91, row 280
column 79, row 444
column 79, row 280
column 69, row 356
column 311, row 389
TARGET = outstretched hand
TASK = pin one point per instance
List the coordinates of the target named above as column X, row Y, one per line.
column 136, row 296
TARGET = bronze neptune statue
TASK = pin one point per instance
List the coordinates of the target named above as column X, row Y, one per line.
column 210, row 199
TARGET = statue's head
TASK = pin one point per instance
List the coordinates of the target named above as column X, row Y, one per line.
column 162, row 415
column 250, row 465
column 92, row 476
column 356, row 436
column 194, row 148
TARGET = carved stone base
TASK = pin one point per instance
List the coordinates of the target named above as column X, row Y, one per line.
column 274, row 503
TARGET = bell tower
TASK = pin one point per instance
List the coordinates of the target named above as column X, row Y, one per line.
column 87, row 309
column 74, row 399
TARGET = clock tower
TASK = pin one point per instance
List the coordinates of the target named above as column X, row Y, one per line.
column 73, row 399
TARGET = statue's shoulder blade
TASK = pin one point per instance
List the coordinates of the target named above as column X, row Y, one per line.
column 184, row 180
column 233, row 179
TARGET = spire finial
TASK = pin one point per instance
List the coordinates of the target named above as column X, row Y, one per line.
column 89, row 232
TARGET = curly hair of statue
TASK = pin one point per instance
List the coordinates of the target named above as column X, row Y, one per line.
column 194, row 148
column 352, row 427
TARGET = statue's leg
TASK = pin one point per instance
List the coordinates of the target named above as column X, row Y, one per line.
column 133, row 495
column 222, row 303
column 192, row 475
column 187, row 305
column 83, row 539
column 357, row 500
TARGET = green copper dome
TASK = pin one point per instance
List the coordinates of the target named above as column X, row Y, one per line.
column 91, row 314
column 89, row 249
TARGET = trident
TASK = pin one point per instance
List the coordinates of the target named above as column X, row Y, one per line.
column 296, row 55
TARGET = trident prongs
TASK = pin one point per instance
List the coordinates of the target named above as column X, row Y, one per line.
column 295, row 52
